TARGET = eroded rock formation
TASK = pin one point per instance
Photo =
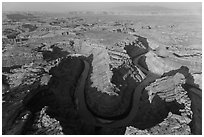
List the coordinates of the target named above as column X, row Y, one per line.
column 172, row 125
column 73, row 77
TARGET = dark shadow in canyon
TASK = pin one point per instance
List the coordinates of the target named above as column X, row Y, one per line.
column 54, row 54
column 137, row 48
column 58, row 95
column 152, row 114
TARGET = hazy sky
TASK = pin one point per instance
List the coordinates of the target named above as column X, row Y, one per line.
column 67, row 6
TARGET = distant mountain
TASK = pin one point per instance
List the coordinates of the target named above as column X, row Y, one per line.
column 147, row 9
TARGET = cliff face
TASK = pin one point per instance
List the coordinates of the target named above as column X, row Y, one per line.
column 112, row 77
column 172, row 93
column 74, row 76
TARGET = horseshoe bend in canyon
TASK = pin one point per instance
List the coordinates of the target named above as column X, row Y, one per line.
column 100, row 73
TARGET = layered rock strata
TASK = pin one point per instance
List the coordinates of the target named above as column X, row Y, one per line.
column 107, row 64
column 170, row 89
